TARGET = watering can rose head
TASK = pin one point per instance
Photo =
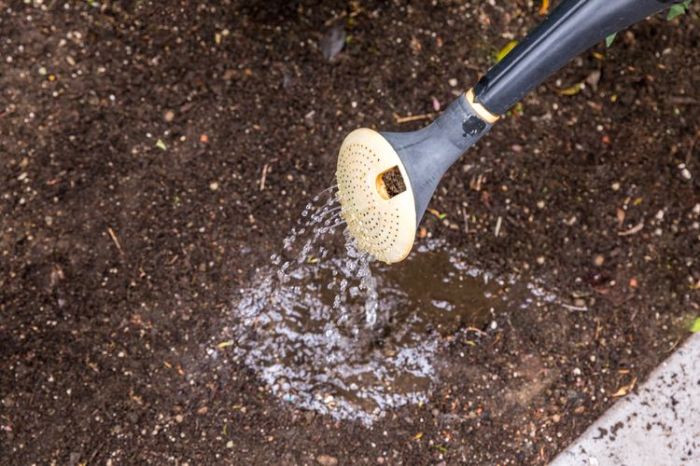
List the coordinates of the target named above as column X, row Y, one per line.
column 385, row 180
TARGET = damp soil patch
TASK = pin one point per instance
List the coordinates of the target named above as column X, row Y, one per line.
column 354, row 339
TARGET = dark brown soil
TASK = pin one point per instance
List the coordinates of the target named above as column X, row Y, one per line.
column 155, row 153
column 394, row 182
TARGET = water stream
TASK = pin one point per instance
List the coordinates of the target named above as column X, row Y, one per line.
column 328, row 329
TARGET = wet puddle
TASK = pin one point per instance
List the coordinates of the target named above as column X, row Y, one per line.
column 327, row 329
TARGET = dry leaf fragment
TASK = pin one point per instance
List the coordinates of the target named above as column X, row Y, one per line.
column 571, row 90
column 625, row 389
column 620, row 217
column 438, row 214
column 333, row 42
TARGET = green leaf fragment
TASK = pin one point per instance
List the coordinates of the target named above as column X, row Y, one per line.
column 505, row 50
column 610, row 39
column 695, row 326
column 675, row 11
column 161, row 145
column 678, row 9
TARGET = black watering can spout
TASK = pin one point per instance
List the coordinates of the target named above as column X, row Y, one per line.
column 458, row 128
column 386, row 180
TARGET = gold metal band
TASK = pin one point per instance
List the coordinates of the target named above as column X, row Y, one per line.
column 480, row 110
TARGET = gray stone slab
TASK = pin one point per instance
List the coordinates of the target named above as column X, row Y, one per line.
column 659, row 425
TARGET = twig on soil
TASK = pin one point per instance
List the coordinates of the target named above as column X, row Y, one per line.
column 356, row 11
column 681, row 100
column 476, row 182
column 466, row 221
column 407, row 119
column 571, row 307
column 335, row 18
column 635, row 229
column 115, row 239
column 689, row 156
column 266, row 167
column 94, row 453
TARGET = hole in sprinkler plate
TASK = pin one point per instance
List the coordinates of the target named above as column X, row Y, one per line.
column 390, row 183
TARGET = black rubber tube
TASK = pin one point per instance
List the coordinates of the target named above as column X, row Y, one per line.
column 573, row 27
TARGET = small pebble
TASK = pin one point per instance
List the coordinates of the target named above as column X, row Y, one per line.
column 452, row 82
column 327, row 460
column 169, row 116
column 214, row 186
column 599, row 260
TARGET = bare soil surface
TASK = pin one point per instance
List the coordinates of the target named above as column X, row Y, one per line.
column 154, row 154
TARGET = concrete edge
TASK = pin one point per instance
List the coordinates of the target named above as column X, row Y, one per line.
column 657, row 425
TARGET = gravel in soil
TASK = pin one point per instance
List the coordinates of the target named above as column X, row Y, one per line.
column 155, row 154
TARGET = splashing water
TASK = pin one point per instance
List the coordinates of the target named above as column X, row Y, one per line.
column 309, row 329
column 318, row 332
